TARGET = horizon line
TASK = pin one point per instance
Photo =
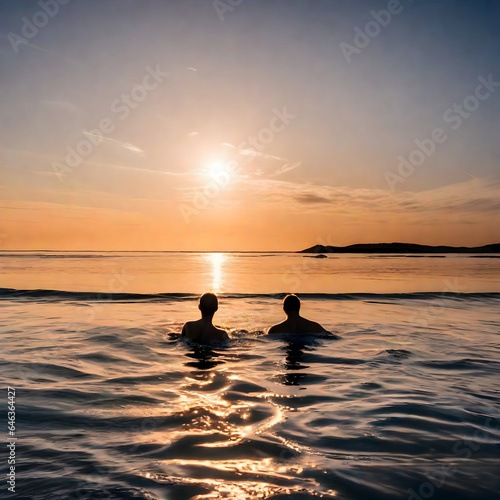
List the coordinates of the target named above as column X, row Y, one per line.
column 243, row 251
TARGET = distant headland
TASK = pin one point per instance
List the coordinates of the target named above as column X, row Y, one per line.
column 400, row 248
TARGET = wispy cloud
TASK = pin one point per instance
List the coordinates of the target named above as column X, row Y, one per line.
column 125, row 145
column 260, row 164
column 287, row 168
column 252, row 153
column 470, row 197
column 61, row 105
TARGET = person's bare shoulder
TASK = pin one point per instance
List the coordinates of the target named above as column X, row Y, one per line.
column 276, row 329
column 316, row 327
column 219, row 335
column 187, row 329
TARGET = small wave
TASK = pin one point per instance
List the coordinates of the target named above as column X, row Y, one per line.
column 461, row 364
column 484, row 256
column 397, row 353
column 37, row 370
column 425, row 256
column 63, row 295
column 57, row 256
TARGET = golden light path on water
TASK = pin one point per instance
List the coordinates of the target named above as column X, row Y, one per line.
column 215, row 425
column 217, row 260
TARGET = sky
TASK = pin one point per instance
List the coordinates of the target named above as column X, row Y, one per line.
column 233, row 125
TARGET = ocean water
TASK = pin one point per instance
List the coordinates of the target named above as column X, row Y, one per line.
column 401, row 401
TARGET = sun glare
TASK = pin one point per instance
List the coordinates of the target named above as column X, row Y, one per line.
column 216, row 167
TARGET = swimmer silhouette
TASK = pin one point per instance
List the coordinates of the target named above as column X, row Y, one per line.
column 295, row 323
column 203, row 330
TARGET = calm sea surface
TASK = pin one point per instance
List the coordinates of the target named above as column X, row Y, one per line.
column 402, row 401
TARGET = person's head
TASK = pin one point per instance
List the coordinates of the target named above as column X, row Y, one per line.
column 291, row 304
column 208, row 304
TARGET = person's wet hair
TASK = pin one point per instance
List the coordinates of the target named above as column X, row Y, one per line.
column 291, row 304
column 208, row 304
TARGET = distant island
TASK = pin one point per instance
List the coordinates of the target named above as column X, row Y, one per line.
column 400, row 248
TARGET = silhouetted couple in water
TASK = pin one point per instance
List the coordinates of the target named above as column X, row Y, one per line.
column 204, row 330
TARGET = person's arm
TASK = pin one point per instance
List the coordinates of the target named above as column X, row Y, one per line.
column 273, row 329
column 184, row 330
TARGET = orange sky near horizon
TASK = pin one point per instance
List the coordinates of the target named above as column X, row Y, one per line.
column 246, row 217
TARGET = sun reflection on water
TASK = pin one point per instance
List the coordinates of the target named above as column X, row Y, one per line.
column 226, row 438
column 217, row 260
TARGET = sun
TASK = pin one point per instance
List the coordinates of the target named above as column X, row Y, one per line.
column 216, row 167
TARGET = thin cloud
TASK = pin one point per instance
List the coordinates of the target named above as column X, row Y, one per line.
column 124, row 145
column 470, row 197
column 253, row 153
column 65, row 106
column 259, row 164
column 287, row 168
column 312, row 199
column 21, row 40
